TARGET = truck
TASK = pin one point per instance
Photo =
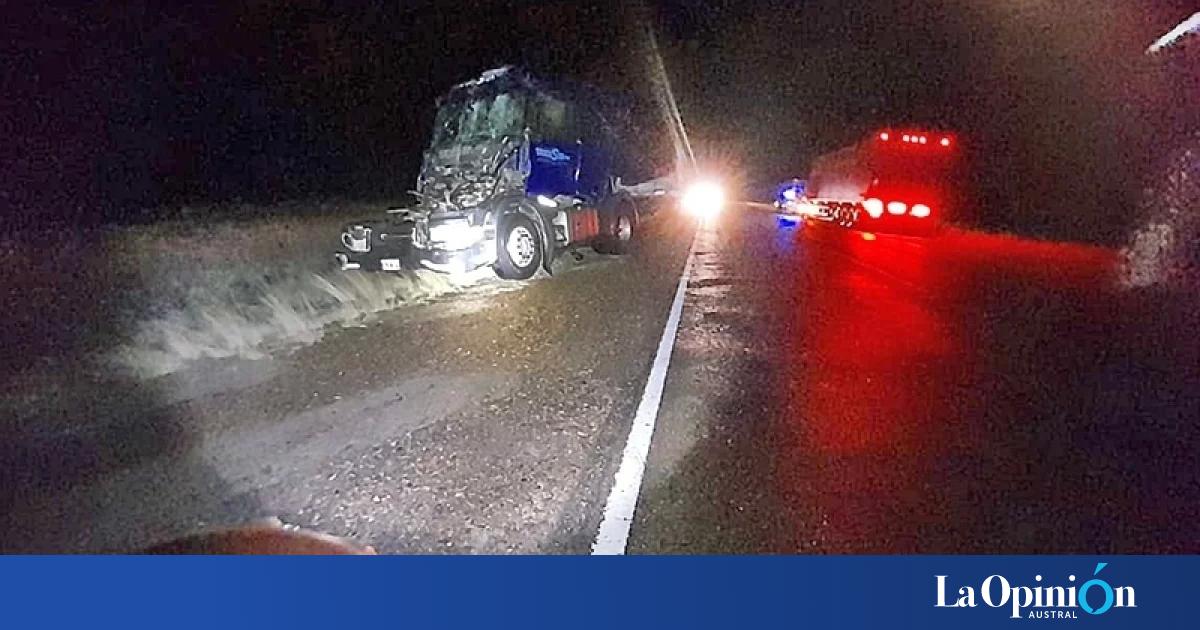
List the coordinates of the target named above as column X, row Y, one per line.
column 903, row 182
column 518, row 170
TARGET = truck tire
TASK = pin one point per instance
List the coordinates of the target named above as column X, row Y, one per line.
column 617, row 231
column 518, row 248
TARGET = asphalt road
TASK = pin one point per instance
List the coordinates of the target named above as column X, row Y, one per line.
column 972, row 393
column 827, row 393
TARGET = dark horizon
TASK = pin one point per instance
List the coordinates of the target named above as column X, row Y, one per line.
column 117, row 109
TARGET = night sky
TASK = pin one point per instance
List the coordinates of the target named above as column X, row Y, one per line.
column 110, row 110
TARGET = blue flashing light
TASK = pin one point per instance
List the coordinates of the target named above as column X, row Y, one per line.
column 790, row 191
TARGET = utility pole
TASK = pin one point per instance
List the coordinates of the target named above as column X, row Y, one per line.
column 660, row 83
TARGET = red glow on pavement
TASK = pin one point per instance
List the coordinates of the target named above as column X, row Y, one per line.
column 1065, row 264
column 891, row 369
column 878, row 387
column 879, row 368
column 889, row 361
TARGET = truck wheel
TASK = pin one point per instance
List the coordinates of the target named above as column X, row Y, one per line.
column 617, row 232
column 518, row 249
column 622, row 236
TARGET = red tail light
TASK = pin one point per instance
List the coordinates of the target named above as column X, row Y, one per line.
column 920, row 210
column 874, row 207
column 897, row 207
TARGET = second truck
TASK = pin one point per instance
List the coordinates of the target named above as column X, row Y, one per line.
column 904, row 182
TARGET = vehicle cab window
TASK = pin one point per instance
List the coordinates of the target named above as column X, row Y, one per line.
column 552, row 121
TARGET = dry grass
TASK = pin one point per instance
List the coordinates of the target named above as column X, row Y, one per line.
column 242, row 288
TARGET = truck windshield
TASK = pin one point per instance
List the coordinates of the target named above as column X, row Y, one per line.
column 481, row 119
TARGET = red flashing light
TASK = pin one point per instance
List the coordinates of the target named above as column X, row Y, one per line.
column 945, row 142
column 897, row 207
column 885, row 136
column 924, row 139
column 907, row 138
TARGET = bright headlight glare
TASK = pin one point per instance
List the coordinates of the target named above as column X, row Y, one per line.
column 704, row 199
column 455, row 234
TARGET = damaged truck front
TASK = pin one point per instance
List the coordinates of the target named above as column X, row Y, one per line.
column 517, row 171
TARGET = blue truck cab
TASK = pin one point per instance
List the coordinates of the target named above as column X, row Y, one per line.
column 517, row 170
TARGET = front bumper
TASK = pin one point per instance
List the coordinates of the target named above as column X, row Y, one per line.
column 803, row 208
column 402, row 254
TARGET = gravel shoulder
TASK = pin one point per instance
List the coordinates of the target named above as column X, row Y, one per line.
column 484, row 422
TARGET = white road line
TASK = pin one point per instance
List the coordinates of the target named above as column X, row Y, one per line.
column 618, row 511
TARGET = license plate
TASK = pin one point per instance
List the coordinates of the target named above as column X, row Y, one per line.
column 390, row 264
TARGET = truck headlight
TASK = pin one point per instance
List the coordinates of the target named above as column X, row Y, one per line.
column 357, row 238
column 704, row 199
column 455, row 234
